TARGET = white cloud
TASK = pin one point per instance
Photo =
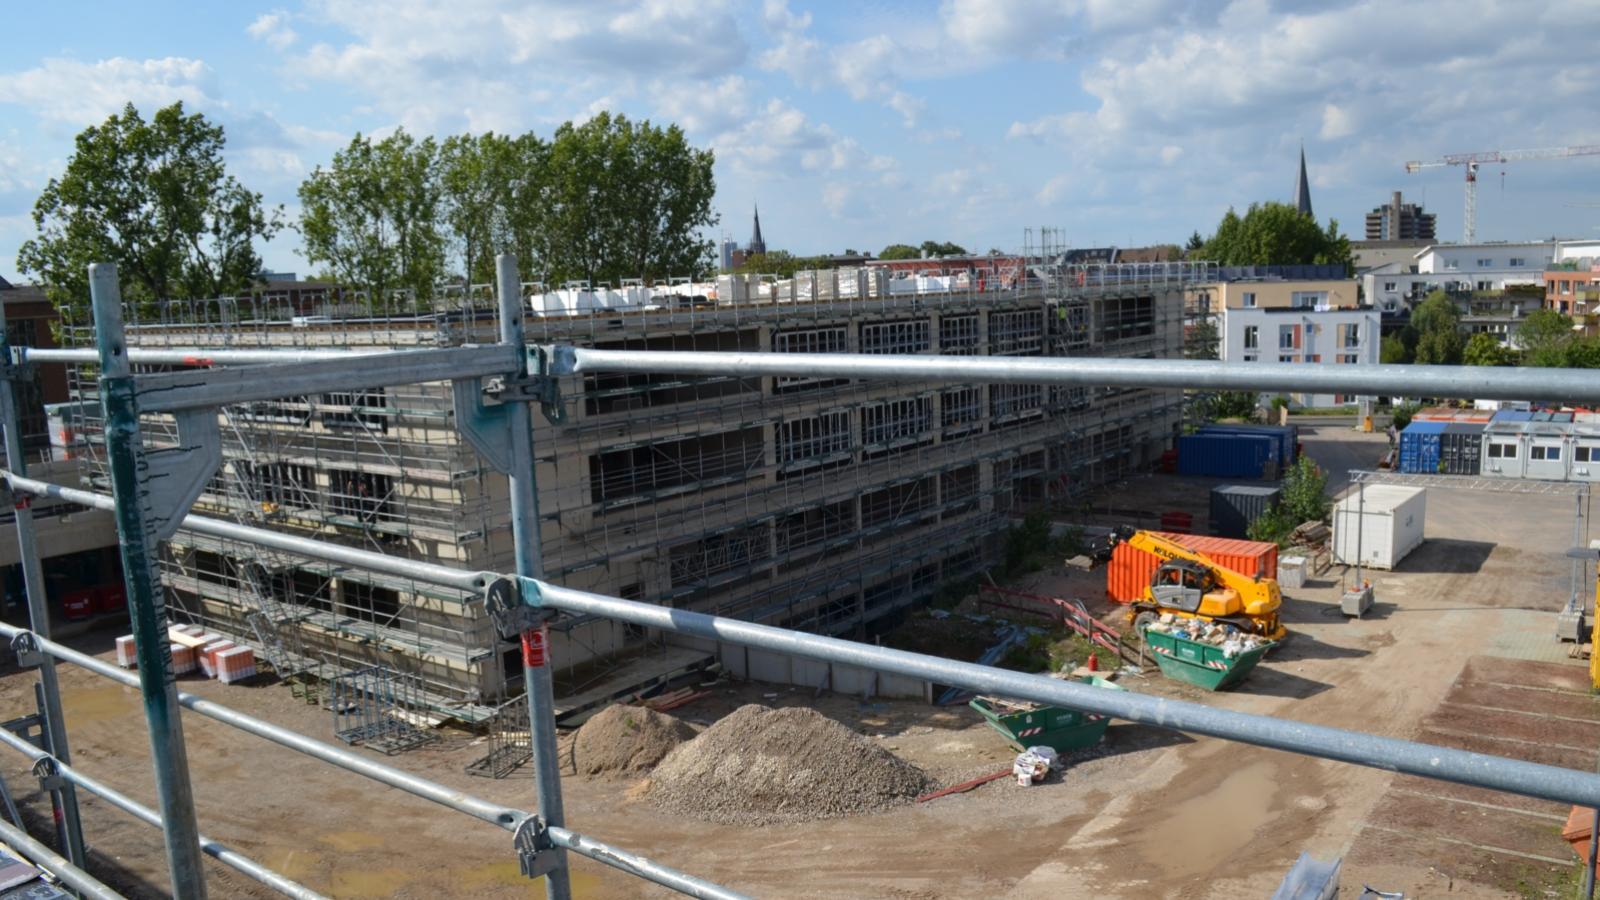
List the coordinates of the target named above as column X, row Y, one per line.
column 273, row 28
column 79, row 93
column 1336, row 123
column 779, row 141
column 499, row 63
column 1171, row 154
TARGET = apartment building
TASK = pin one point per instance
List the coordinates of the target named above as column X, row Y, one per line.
column 1323, row 337
column 818, row 503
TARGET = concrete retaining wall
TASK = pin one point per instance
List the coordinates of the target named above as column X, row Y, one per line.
column 751, row 664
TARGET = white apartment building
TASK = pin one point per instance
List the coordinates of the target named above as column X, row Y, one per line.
column 1302, row 336
column 1456, row 267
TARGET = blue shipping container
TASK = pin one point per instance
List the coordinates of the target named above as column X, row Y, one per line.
column 1286, row 437
column 1419, row 447
column 1224, row 455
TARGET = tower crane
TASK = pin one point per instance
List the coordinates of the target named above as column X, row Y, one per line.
column 1473, row 160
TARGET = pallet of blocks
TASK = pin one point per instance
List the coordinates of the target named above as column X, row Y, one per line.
column 235, row 664
column 183, row 659
column 207, row 655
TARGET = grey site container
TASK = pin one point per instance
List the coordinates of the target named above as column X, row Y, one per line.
column 1235, row 506
column 1461, row 448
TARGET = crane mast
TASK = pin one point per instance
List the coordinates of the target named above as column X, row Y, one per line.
column 1471, row 161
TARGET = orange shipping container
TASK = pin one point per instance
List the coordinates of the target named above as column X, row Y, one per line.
column 1129, row 572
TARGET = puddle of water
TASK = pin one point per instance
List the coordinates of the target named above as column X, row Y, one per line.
column 102, row 703
column 351, row 841
column 1193, row 836
column 295, row 864
column 368, row 882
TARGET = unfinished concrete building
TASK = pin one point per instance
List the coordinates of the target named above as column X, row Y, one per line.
column 812, row 503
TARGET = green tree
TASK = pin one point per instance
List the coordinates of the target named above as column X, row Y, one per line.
column 154, row 197
column 1196, row 242
column 1304, row 499
column 1401, row 416
column 1305, row 492
column 1486, row 350
column 374, row 217
column 1584, row 353
column 1545, row 336
column 943, row 248
column 1201, row 341
column 1392, row 350
column 626, row 200
column 482, row 188
column 1275, row 234
column 1229, row 405
column 1438, row 325
column 900, row 251
column 776, row 262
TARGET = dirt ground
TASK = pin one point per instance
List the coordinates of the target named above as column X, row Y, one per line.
column 1147, row 814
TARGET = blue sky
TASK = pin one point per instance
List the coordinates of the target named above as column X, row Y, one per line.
column 859, row 124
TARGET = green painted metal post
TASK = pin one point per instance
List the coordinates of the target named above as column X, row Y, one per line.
column 125, row 452
column 64, row 800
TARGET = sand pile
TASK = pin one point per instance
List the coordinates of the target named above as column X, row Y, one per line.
column 760, row 766
column 626, row 740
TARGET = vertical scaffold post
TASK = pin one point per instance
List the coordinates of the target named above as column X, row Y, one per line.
column 125, row 453
column 530, row 564
column 64, row 799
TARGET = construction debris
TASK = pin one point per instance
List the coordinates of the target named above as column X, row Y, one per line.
column 1231, row 640
column 626, row 740
column 760, row 766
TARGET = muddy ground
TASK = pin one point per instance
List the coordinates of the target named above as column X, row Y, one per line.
column 1148, row 814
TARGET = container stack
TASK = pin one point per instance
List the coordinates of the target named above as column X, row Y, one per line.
column 1238, row 451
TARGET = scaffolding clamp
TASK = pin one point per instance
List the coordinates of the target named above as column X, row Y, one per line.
column 26, row 647
column 49, row 774
column 515, row 605
column 14, row 365
column 536, row 853
column 547, row 386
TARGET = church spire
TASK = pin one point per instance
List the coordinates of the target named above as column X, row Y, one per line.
column 757, row 245
column 1302, row 188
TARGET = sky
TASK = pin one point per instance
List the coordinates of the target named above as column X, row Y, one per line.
column 856, row 125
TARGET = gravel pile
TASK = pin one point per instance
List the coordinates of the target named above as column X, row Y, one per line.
column 626, row 740
column 760, row 766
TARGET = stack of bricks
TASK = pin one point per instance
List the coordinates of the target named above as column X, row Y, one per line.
column 208, row 655
column 182, row 659
column 235, row 664
column 127, row 655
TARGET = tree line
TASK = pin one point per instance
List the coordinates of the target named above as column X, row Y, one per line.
column 599, row 201
column 1433, row 336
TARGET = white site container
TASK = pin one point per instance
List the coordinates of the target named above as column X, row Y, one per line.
column 1378, row 525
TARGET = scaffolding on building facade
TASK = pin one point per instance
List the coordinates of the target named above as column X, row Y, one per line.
column 821, row 504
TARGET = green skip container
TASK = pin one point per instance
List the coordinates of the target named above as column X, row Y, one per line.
column 1027, row 725
column 1201, row 664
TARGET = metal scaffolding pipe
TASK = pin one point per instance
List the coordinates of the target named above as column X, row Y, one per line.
column 505, row 817
column 1427, row 760
column 138, row 536
column 72, row 876
column 1469, row 382
column 219, row 852
column 538, row 690
column 189, row 356
column 428, row 573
